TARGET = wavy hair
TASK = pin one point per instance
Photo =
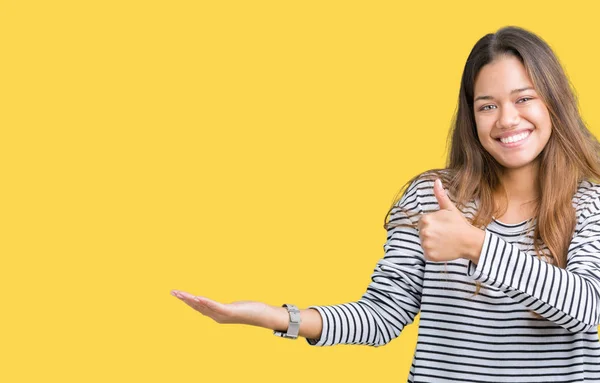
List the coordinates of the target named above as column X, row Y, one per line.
column 570, row 156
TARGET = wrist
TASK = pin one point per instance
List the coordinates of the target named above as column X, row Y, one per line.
column 280, row 320
column 475, row 241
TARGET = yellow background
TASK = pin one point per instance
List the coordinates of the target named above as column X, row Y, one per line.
column 241, row 150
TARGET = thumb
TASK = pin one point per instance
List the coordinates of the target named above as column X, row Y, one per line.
column 442, row 197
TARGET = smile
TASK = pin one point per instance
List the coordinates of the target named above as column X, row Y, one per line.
column 515, row 140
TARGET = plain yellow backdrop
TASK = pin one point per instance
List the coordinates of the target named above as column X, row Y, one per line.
column 241, row 150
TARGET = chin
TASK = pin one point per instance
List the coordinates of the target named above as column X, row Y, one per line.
column 516, row 165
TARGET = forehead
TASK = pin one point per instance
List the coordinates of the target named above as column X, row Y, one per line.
column 501, row 76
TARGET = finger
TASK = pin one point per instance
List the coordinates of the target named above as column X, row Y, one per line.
column 421, row 223
column 178, row 293
column 187, row 298
column 199, row 305
column 210, row 304
column 204, row 305
column 442, row 197
column 191, row 300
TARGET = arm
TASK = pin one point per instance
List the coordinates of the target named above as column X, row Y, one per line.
column 569, row 297
column 392, row 299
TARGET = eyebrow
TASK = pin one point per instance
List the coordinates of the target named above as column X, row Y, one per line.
column 511, row 92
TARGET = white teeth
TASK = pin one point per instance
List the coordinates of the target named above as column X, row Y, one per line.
column 515, row 138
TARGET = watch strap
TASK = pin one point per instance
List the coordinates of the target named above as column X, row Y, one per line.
column 294, row 325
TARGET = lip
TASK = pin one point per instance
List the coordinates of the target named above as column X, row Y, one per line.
column 515, row 144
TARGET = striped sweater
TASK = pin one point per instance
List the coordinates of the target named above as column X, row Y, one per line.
column 492, row 336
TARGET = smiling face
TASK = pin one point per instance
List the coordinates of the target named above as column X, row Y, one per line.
column 513, row 123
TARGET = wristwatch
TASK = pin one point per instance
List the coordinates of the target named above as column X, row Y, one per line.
column 294, row 326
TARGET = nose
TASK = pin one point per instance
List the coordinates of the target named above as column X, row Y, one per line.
column 508, row 117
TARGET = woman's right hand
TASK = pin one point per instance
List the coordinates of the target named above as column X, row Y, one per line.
column 240, row 312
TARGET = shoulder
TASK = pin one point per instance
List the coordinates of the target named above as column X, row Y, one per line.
column 419, row 194
column 416, row 197
column 586, row 200
column 587, row 193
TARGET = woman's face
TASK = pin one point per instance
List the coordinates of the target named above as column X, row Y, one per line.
column 513, row 123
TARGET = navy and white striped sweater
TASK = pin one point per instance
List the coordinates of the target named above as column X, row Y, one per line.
column 492, row 336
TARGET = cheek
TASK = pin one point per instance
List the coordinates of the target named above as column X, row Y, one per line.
column 481, row 136
column 483, row 130
column 540, row 116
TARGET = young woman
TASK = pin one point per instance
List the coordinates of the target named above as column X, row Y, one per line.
column 505, row 266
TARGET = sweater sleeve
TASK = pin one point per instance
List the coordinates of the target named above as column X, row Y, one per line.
column 393, row 297
column 568, row 297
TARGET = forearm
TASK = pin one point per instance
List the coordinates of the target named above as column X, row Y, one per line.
column 565, row 297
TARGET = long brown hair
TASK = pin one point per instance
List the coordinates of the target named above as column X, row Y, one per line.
column 570, row 156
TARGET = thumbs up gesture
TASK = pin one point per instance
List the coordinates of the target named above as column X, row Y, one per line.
column 446, row 234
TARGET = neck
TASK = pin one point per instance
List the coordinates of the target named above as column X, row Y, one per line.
column 521, row 184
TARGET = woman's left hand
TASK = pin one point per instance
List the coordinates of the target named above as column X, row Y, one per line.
column 446, row 234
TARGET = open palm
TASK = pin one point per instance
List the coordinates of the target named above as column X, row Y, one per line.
column 243, row 312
